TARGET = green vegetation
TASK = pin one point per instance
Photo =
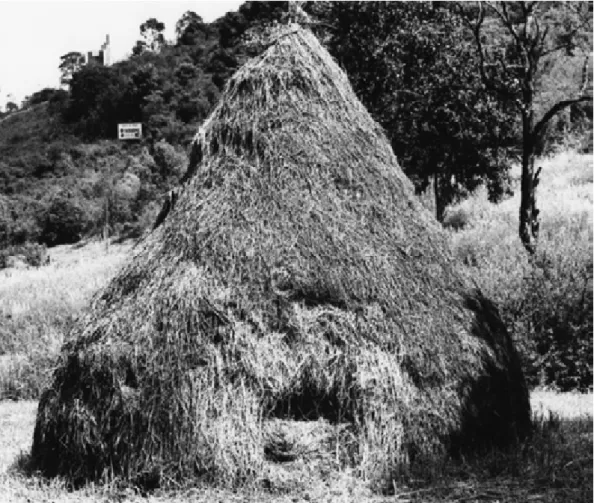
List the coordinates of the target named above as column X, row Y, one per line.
column 59, row 152
column 545, row 300
column 538, row 39
column 461, row 87
column 414, row 67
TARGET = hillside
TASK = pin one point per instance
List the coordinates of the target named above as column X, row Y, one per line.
column 64, row 175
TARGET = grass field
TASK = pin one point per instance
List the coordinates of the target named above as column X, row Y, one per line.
column 37, row 307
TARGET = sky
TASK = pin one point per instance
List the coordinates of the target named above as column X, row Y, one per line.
column 34, row 34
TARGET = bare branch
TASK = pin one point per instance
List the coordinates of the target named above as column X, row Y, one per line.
column 543, row 37
column 537, row 41
column 521, row 42
column 555, row 109
column 585, row 74
column 505, row 19
column 476, row 29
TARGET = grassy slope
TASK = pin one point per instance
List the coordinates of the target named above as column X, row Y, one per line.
column 28, row 128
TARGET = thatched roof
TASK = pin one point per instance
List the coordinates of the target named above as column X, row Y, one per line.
column 296, row 277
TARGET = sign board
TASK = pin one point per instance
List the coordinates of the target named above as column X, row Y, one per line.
column 132, row 131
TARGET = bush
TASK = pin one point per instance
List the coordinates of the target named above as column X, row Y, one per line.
column 47, row 94
column 6, row 220
column 65, row 222
column 456, row 219
column 546, row 301
column 18, row 221
column 32, row 254
column 553, row 315
column 171, row 163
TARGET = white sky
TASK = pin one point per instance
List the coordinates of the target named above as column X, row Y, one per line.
column 34, row 34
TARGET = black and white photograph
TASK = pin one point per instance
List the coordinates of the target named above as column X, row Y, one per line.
column 290, row 252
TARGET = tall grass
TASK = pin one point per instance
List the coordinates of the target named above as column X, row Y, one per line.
column 546, row 300
column 37, row 307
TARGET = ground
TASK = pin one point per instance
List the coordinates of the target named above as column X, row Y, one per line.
column 547, row 481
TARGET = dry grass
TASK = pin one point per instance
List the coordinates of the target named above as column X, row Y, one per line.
column 296, row 278
column 568, row 406
column 39, row 305
column 557, row 467
column 490, row 241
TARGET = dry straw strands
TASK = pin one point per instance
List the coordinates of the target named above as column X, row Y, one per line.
column 296, row 278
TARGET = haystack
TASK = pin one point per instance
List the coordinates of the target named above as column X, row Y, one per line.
column 296, row 279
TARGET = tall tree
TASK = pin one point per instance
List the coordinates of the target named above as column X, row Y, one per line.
column 11, row 106
column 95, row 101
column 152, row 33
column 518, row 44
column 70, row 63
column 191, row 29
column 409, row 64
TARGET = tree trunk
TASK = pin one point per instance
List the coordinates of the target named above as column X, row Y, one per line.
column 529, row 224
column 106, row 224
column 440, row 204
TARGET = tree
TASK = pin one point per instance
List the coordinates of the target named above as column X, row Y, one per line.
column 191, row 29
column 518, row 44
column 6, row 221
column 409, row 64
column 139, row 48
column 44, row 95
column 65, row 221
column 70, row 64
column 141, row 83
column 95, row 103
column 11, row 106
column 152, row 32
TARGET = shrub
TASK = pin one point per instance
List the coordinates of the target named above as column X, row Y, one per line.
column 6, row 220
column 33, row 254
column 546, row 301
column 18, row 221
column 65, row 222
column 47, row 94
column 553, row 316
column 122, row 197
column 169, row 160
column 456, row 219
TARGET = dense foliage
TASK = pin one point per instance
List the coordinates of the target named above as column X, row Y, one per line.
column 411, row 64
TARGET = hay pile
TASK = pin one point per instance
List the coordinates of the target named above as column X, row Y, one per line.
column 297, row 278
